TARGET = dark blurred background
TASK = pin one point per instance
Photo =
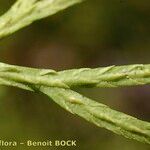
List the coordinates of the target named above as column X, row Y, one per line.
column 92, row 34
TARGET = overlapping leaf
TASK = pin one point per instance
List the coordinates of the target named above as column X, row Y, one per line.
column 24, row 12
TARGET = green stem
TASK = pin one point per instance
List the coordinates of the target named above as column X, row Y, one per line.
column 24, row 12
column 113, row 76
column 56, row 85
column 100, row 115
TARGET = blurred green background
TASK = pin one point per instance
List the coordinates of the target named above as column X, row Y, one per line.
column 92, row 34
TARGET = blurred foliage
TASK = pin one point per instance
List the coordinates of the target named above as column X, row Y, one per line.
column 94, row 33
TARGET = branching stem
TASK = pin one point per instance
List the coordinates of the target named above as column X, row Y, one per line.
column 57, row 85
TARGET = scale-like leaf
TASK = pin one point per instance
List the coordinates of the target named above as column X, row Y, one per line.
column 24, row 12
column 57, row 86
